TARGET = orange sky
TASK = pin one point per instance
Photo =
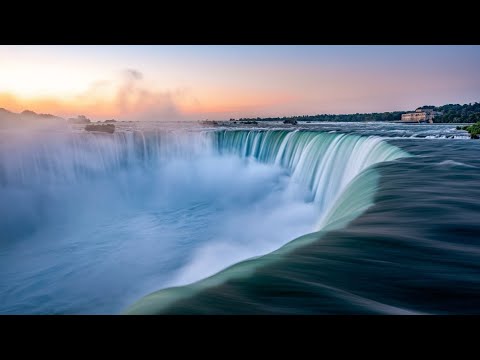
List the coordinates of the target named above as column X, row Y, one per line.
column 219, row 82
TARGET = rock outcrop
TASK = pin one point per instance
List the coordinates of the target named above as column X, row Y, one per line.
column 29, row 119
column 80, row 119
column 108, row 128
column 473, row 130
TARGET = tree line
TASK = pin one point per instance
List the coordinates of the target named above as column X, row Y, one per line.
column 452, row 113
column 456, row 113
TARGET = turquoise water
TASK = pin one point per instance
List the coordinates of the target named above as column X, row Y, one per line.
column 92, row 223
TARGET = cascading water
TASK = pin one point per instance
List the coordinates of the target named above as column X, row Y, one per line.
column 91, row 222
column 334, row 168
column 324, row 163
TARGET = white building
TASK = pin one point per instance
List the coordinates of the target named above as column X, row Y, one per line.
column 421, row 115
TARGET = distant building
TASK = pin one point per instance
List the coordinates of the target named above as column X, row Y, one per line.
column 421, row 115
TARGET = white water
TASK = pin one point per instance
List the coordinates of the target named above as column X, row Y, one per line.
column 92, row 222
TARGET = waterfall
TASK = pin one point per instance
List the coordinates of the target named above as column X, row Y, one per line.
column 72, row 157
column 336, row 168
column 322, row 162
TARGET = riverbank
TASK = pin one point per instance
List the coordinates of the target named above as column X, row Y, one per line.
column 473, row 130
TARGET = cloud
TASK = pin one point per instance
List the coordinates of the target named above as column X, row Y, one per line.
column 136, row 100
column 135, row 74
column 128, row 97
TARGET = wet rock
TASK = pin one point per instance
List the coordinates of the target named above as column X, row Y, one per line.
column 108, row 128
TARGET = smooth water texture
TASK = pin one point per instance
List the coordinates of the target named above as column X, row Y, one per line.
column 413, row 250
column 92, row 222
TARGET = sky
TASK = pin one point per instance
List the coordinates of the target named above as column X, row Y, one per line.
column 221, row 82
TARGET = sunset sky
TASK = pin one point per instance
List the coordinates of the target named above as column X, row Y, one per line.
column 221, row 82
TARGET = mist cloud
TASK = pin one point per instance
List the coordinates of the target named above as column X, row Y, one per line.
column 129, row 96
column 135, row 99
column 134, row 74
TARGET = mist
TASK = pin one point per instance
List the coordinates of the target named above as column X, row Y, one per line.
column 129, row 96
column 100, row 227
column 91, row 222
